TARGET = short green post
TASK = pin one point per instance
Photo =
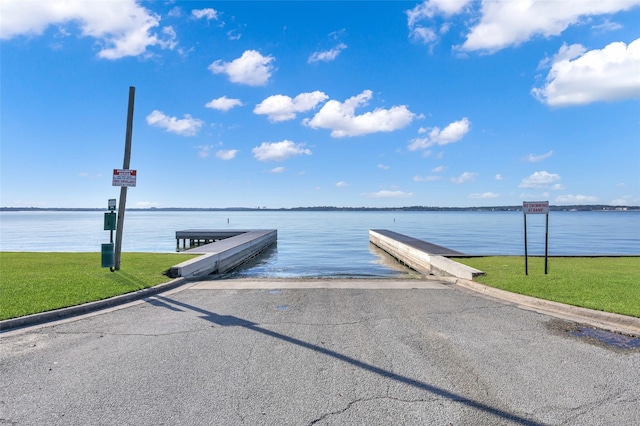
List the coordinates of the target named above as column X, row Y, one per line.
column 107, row 255
column 110, row 221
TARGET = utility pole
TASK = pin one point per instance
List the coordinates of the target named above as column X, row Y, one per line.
column 123, row 189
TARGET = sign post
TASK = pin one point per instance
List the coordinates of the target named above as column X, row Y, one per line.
column 124, row 179
column 109, row 225
column 536, row 207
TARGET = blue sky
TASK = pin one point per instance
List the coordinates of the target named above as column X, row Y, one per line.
column 286, row 104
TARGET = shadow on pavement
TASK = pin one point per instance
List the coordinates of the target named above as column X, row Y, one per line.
column 232, row 321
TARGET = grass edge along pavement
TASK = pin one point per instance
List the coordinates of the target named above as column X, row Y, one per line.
column 39, row 282
column 609, row 284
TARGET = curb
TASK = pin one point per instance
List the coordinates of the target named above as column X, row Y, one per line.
column 608, row 321
column 72, row 311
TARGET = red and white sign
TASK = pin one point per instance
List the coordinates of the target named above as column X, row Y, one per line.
column 122, row 177
column 535, row 207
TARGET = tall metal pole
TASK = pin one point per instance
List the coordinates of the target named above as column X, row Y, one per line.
column 526, row 259
column 123, row 190
column 546, row 245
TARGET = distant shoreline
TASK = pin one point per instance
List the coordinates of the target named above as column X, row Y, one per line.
column 599, row 207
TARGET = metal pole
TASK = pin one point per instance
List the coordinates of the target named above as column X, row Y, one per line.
column 526, row 260
column 546, row 245
column 123, row 190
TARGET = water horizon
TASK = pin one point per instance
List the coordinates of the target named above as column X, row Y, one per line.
column 332, row 243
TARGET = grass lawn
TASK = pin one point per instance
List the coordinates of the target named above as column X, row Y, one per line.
column 37, row 282
column 609, row 284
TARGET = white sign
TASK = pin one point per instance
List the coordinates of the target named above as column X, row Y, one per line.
column 124, row 177
column 535, row 207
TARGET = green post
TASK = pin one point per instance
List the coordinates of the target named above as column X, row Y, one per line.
column 107, row 255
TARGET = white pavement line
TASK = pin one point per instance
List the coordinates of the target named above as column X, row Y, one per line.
column 352, row 284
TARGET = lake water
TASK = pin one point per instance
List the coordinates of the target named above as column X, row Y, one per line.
column 332, row 244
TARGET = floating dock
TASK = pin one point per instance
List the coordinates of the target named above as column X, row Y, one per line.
column 221, row 250
column 422, row 256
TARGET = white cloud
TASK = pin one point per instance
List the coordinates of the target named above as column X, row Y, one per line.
column 122, row 28
column 531, row 158
column 341, row 118
column 607, row 26
column 557, row 187
column 452, row 133
column 389, row 194
column 234, row 34
column 541, row 179
column 327, row 55
column 277, row 170
column 484, row 195
column 426, row 178
column 251, row 68
column 227, row 154
column 204, row 150
column 464, row 177
column 279, row 151
column 187, row 126
column 575, row 199
column 208, row 14
column 146, row 204
column 511, row 23
column 498, row 177
column 176, row 12
column 427, row 11
column 89, row 175
column 341, row 184
column 223, row 103
column 439, row 169
column 424, row 35
column 282, row 108
column 580, row 77
column 626, row 200
column 383, row 167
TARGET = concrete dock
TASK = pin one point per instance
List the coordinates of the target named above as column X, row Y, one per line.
column 228, row 250
column 422, row 256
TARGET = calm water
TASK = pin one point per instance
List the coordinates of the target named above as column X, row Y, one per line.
column 333, row 243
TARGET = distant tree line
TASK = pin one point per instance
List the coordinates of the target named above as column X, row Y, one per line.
column 589, row 207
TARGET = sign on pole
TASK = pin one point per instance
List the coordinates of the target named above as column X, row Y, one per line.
column 124, row 177
column 536, row 207
column 131, row 179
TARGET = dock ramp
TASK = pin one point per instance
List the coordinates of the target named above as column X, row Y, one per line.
column 422, row 256
column 229, row 249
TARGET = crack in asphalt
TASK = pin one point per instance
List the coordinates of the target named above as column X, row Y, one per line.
column 375, row 398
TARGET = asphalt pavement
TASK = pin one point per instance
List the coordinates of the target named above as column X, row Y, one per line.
column 316, row 352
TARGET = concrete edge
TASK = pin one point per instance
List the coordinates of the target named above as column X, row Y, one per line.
column 420, row 260
column 605, row 320
column 72, row 311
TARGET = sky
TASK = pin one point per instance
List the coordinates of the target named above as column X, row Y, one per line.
column 447, row 103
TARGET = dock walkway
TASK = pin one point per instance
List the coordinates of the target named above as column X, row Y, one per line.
column 228, row 250
column 422, row 256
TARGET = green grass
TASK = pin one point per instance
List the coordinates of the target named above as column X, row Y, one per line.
column 37, row 282
column 610, row 284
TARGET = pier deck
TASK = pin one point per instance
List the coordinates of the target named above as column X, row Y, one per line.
column 226, row 250
column 422, row 256
column 199, row 237
column 419, row 244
